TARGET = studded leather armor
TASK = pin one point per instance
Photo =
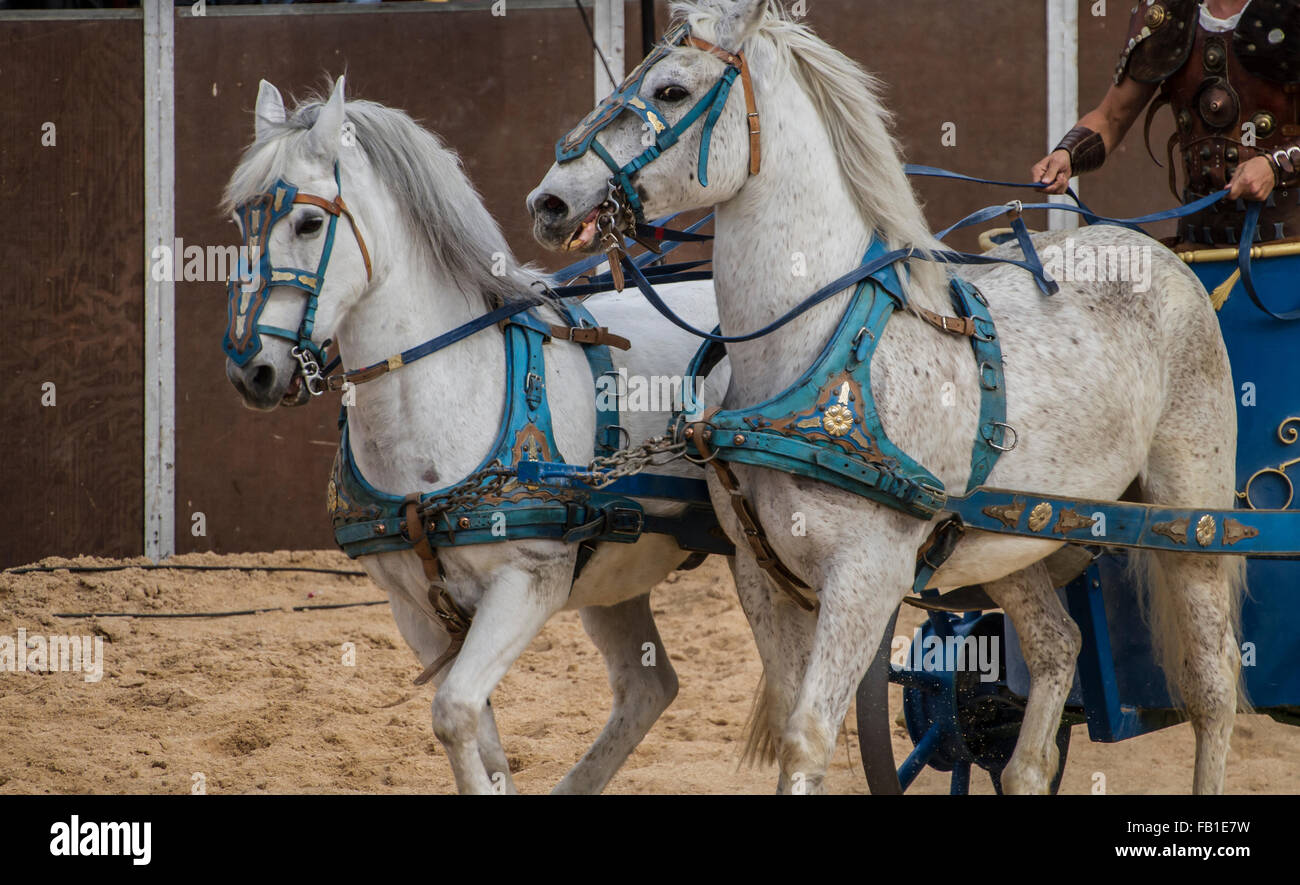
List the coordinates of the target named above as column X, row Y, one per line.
column 1235, row 96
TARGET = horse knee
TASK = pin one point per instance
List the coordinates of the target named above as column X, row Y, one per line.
column 455, row 720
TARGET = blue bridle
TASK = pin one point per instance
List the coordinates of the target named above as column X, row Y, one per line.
column 257, row 217
column 627, row 99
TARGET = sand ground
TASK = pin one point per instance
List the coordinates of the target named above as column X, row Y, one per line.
column 265, row 703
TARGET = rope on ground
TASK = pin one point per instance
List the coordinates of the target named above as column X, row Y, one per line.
column 247, row 611
column 150, row 566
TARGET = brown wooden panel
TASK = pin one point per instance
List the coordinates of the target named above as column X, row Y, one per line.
column 497, row 89
column 981, row 66
column 71, row 289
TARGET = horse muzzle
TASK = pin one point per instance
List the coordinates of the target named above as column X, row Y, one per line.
column 264, row 386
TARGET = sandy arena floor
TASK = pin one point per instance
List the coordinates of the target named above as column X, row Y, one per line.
column 264, row 702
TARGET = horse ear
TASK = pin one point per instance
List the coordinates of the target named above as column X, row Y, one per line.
column 737, row 19
column 325, row 135
column 270, row 109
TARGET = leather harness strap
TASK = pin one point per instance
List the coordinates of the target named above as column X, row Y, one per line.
column 338, row 207
column 764, row 555
column 454, row 620
column 590, row 335
column 737, row 60
column 964, row 326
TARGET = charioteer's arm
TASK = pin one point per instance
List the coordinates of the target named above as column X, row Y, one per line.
column 1084, row 147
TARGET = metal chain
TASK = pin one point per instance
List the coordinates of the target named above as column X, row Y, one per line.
column 629, row 462
column 491, row 480
column 602, row 472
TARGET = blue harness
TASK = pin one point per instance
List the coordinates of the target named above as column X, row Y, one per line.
column 825, row 426
column 507, row 497
column 528, row 505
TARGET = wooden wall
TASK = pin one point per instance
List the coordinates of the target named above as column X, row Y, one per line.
column 499, row 90
column 71, row 289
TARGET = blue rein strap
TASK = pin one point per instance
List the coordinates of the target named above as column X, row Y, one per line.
column 1243, row 264
column 858, row 274
column 433, row 345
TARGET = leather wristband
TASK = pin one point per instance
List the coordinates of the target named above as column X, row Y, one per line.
column 1086, row 148
column 1286, row 165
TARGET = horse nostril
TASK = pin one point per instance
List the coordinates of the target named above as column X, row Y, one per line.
column 262, row 379
column 551, row 207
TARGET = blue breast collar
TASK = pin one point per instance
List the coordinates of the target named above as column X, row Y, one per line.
column 826, row 427
column 367, row 520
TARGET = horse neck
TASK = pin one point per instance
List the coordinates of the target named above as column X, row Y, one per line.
column 797, row 211
column 431, row 422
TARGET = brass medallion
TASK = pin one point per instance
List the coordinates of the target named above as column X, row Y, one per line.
column 838, row 420
column 332, row 497
column 1205, row 529
column 1039, row 516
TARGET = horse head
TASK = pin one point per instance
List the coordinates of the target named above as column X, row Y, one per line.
column 299, row 273
column 676, row 123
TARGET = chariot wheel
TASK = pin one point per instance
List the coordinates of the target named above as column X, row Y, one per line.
column 955, row 719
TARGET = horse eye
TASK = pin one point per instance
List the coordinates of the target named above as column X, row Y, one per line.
column 672, row 93
column 309, row 225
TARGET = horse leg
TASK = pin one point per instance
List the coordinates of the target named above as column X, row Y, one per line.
column 490, row 751
column 848, row 630
column 511, row 612
column 1050, row 641
column 1193, row 602
column 783, row 634
column 643, row 683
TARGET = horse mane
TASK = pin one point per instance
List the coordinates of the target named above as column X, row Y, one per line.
column 442, row 207
column 847, row 99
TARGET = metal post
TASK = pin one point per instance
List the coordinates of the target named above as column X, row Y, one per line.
column 648, row 29
column 608, row 26
column 159, row 295
column 1062, row 88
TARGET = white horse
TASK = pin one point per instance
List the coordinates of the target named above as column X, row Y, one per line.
column 433, row 250
column 1105, row 385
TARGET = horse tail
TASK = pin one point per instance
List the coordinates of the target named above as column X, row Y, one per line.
column 760, row 749
column 1147, row 572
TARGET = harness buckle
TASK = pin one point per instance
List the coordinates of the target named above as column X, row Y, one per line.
column 986, row 436
column 624, row 521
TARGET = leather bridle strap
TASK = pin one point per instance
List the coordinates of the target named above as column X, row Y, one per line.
column 764, row 555
column 737, row 60
column 453, row 619
column 338, row 207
